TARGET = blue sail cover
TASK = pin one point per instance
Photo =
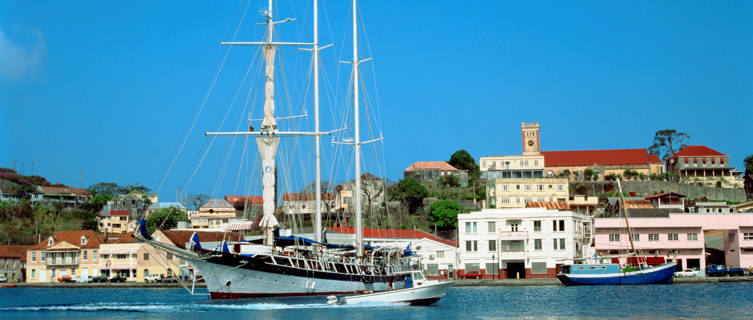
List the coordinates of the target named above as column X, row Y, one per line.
column 195, row 241
column 292, row 240
column 142, row 229
column 225, row 249
column 408, row 252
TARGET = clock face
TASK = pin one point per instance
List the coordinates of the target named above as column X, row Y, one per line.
column 530, row 143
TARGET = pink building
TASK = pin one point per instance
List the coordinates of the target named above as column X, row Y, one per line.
column 680, row 236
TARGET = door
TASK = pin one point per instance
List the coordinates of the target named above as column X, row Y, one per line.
column 84, row 273
column 516, row 270
column 42, row 275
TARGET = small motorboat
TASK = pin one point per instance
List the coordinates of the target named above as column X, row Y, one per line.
column 9, row 285
column 416, row 290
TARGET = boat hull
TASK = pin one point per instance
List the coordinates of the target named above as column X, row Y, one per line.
column 657, row 275
column 422, row 295
column 229, row 282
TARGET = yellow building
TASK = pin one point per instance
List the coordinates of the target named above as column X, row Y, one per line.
column 515, row 192
column 213, row 214
column 122, row 255
column 73, row 254
column 115, row 221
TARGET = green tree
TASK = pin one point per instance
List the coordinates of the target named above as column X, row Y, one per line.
column 462, row 160
column 449, row 180
column 748, row 161
column 588, row 174
column 667, row 142
column 444, row 214
column 411, row 193
column 194, row 201
column 164, row 219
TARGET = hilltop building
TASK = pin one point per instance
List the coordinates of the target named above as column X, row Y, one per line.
column 305, row 204
column 703, row 166
column 425, row 171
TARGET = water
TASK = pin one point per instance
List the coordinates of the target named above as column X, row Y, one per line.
column 678, row 301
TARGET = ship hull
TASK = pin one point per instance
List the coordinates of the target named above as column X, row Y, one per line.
column 420, row 295
column 657, row 275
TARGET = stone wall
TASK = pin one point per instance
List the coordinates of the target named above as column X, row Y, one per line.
column 642, row 188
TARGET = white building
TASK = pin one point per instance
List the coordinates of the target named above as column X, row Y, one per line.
column 522, row 242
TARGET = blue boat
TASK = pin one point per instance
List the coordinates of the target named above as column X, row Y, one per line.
column 612, row 274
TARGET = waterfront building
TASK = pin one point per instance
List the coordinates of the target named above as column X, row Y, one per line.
column 521, row 243
column 213, row 214
column 516, row 192
column 121, row 255
column 304, row 204
column 67, row 253
column 703, row 166
column 172, row 265
column 13, row 262
column 680, row 236
column 438, row 256
column 432, row 171
column 114, row 221
column 246, row 206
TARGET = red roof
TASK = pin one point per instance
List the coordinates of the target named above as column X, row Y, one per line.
column 601, row 157
column 117, row 238
column 239, row 200
column 696, row 151
column 554, row 205
column 306, row 196
column 14, row 252
column 394, row 233
column 63, row 190
column 73, row 237
column 120, row 213
column 431, row 165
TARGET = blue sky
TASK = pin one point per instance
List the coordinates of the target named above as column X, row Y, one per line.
column 112, row 88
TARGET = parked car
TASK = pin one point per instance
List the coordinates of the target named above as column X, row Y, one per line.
column 719, row 270
column 66, row 279
column 687, row 273
column 99, row 279
column 153, row 278
column 471, row 275
column 117, row 279
column 169, row 280
column 3, row 279
column 83, row 279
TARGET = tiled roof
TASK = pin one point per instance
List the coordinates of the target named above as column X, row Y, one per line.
column 62, row 190
column 216, row 203
column 393, row 234
column 600, row 157
column 306, row 196
column 73, row 237
column 14, row 252
column 431, row 165
column 239, row 200
column 654, row 158
column 554, row 205
column 120, row 212
column 117, row 238
column 696, row 151
column 638, row 204
column 181, row 237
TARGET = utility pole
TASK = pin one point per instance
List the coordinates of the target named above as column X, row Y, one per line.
column 80, row 174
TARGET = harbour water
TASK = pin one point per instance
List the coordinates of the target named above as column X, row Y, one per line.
column 710, row 300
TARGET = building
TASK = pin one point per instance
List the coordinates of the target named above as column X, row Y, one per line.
column 613, row 205
column 438, row 256
column 68, row 195
column 121, row 255
column 521, row 243
column 667, row 200
column 516, row 192
column 305, row 204
column 526, row 166
column 67, row 253
column 703, row 166
column 246, row 206
column 748, row 185
column 174, row 266
column 710, row 207
column 603, row 163
column 164, row 205
column 432, row 171
column 372, row 194
column 115, row 221
column 213, row 214
column 583, row 203
column 128, row 202
column 679, row 236
column 13, row 262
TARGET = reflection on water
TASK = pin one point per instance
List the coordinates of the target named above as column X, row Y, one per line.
column 718, row 300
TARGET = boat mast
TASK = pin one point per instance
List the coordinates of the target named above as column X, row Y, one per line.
column 357, row 142
column 624, row 214
column 318, row 217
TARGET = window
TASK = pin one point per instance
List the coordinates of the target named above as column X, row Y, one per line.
column 492, row 245
column 746, row 236
column 440, row 254
column 491, row 226
column 471, row 267
column 560, row 187
column 540, row 187
column 562, row 225
column 83, row 240
column 731, row 237
column 475, row 227
column 537, row 225
column 146, row 256
column 432, row 269
column 538, row 267
column 558, row 223
column 514, row 226
column 673, row 237
column 537, row 244
column 614, row 237
column 475, row 245
column 692, row 236
column 50, row 241
column 467, row 227
column 504, row 187
column 121, row 256
column 146, row 272
column 469, row 246
column 42, row 255
column 562, row 244
column 555, row 244
column 528, row 187
column 517, row 187
column 492, row 268
column 636, row 237
column 33, row 273
column 33, row 256
column 169, row 256
column 653, row 237
column 85, row 254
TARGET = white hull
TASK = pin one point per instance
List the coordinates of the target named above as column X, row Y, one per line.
column 230, row 282
column 425, row 294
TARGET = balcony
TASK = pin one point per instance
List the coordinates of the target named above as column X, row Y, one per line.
column 512, row 235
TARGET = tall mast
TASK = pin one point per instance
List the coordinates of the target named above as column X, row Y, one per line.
column 318, row 217
column 624, row 214
column 357, row 142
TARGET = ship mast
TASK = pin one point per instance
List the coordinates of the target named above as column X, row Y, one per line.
column 318, row 216
column 357, row 142
column 624, row 214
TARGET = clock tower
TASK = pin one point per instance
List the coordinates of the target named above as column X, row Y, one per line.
column 530, row 138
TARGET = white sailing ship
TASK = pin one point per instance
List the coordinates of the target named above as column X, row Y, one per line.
column 293, row 266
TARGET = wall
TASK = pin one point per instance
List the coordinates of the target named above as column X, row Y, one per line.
column 690, row 191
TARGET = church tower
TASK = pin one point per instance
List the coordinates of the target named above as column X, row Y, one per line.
column 530, row 139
